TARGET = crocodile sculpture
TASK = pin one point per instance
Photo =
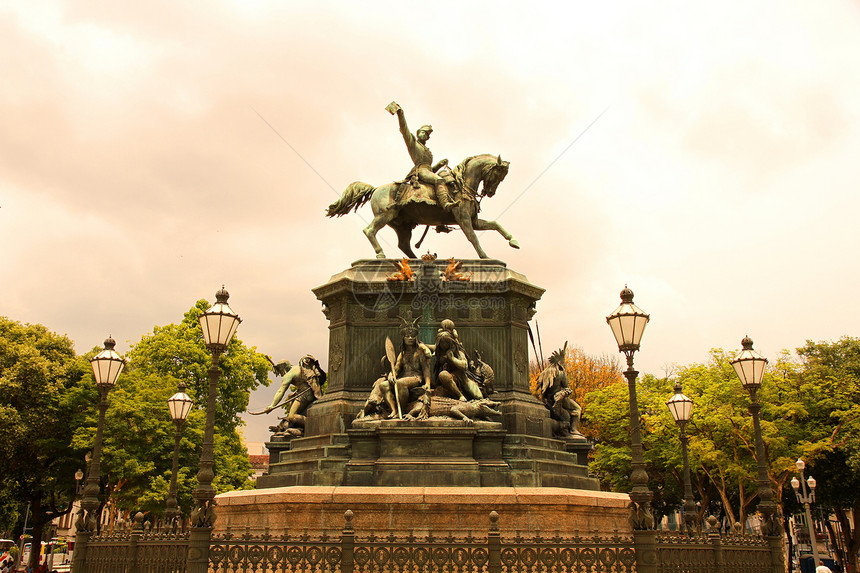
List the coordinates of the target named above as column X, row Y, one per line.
column 467, row 411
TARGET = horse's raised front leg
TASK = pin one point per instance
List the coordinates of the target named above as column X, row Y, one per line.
column 379, row 221
column 465, row 224
column 482, row 225
column 404, row 237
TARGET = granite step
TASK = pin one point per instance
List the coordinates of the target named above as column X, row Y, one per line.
column 318, row 441
column 524, row 440
column 294, row 466
column 315, row 453
column 319, row 471
column 548, row 466
column 284, row 480
column 532, row 452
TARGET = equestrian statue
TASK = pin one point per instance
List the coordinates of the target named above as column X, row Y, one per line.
column 429, row 195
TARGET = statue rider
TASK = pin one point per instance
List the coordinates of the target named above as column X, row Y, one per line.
column 422, row 157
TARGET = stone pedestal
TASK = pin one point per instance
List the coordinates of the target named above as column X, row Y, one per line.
column 578, row 447
column 420, row 510
column 491, row 312
column 426, row 453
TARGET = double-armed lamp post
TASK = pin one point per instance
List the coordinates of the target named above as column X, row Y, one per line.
column 219, row 324
column 628, row 323
column 681, row 408
column 806, row 497
column 107, row 366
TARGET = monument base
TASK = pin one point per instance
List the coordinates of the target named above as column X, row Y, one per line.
column 422, row 510
column 449, row 453
column 426, row 453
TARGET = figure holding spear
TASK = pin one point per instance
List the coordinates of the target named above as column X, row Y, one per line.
column 308, row 378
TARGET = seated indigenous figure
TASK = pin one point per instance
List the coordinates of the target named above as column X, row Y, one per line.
column 412, row 381
column 308, row 378
column 555, row 393
column 452, row 367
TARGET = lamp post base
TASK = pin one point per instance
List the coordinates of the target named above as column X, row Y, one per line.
column 198, row 550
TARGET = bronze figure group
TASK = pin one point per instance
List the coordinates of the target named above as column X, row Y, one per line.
column 426, row 380
column 410, row 390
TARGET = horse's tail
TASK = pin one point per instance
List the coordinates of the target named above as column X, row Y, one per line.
column 356, row 195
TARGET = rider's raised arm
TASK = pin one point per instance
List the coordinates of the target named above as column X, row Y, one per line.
column 404, row 129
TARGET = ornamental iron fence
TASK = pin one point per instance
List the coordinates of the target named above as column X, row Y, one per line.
column 143, row 551
column 712, row 552
column 139, row 550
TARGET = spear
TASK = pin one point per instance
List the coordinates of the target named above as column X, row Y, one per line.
column 389, row 352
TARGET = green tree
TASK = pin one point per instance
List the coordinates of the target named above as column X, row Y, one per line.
column 721, row 441
column 139, row 433
column 178, row 351
column 832, row 369
column 9, row 514
column 39, row 408
column 609, row 423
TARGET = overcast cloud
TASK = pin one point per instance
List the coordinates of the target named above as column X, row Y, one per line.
column 142, row 163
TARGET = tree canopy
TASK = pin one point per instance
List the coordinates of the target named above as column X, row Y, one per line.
column 139, row 434
column 833, row 369
column 39, row 409
column 48, row 400
column 810, row 409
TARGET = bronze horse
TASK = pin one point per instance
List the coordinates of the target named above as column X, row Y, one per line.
column 417, row 206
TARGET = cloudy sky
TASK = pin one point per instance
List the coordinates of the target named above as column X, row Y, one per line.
column 705, row 154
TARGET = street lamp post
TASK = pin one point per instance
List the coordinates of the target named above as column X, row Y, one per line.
column 79, row 475
column 681, row 408
column 806, row 497
column 107, row 366
column 628, row 323
column 749, row 367
column 179, row 406
column 219, row 324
